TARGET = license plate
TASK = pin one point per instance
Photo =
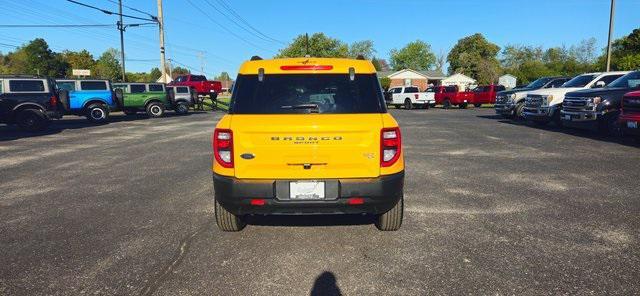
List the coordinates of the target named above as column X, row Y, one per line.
column 306, row 190
column 567, row 117
column 632, row 124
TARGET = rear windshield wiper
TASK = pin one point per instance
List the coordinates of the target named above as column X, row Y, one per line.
column 300, row 106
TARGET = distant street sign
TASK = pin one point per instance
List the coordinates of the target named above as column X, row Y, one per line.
column 81, row 72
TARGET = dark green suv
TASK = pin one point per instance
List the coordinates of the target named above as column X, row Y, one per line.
column 151, row 98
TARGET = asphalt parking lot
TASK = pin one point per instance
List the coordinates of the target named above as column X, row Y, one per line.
column 492, row 207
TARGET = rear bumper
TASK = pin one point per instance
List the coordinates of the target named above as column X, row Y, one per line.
column 379, row 194
column 630, row 123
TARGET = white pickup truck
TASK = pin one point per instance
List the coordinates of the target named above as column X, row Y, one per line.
column 410, row 97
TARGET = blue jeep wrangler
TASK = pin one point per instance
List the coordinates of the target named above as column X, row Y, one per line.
column 93, row 98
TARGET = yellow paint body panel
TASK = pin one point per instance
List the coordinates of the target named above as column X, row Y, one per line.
column 340, row 66
column 334, row 145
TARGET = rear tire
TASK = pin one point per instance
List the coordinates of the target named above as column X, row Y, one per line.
column 227, row 221
column 155, row 109
column 477, row 105
column 396, row 106
column 32, row 120
column 97, row 113
column 446, row 104
column 407, row 104
column 463, row 106
column 391, row 220
column 182, row 108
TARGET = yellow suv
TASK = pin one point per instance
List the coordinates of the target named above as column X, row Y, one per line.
column 307, row 136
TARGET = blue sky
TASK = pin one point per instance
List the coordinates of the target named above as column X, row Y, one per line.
column 390, row 24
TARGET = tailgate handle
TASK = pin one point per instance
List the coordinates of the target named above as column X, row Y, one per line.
column 306, row 166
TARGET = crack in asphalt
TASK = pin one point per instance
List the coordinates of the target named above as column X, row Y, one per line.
column 153, row 285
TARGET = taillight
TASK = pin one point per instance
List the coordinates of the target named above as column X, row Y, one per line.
column 53, row 101
column 223, row 147
column 416, row 95
column 390, row 146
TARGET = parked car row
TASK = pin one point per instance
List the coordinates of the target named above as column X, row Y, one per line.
column 410, row 97
column 32, row 101
column 605, row 101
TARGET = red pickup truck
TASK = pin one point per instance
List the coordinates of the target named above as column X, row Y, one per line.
column 200, row 84
column 486, row 94
column 448, row 96
column 630, row 113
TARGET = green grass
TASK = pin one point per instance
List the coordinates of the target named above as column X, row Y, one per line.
column 223, row 104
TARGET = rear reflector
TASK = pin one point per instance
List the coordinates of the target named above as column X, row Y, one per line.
column 258, row 202
column 306, row 67
column 355, row 201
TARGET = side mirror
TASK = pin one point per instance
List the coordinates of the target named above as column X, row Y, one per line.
column 599, row 84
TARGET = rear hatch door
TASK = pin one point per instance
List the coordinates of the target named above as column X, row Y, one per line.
column 307, row 146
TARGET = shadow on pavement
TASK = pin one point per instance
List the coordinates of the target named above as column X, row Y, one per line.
column 72, row 122
column 573, row 131
column 310, row 220
column 325, row 285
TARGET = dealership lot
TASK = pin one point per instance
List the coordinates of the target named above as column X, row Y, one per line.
column 492, row 207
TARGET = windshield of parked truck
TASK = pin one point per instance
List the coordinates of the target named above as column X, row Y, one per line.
column 539, row 83
column 580, row 81
column 631, row 80
column 307, row 93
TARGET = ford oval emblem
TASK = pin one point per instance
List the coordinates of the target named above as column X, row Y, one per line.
column 247, row 156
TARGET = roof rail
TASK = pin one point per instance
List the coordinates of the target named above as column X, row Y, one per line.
column 256, row 58
column 21, row 76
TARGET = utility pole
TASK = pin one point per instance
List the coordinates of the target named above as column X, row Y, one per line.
column 121, row 29
column 611, row 16
column 163, row 68
column 201, row 57
column 170, row 68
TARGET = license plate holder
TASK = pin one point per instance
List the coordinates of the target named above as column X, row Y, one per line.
column 306, row 190
column 632, row 124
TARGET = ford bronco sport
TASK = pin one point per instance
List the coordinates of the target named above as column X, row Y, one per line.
column 307, row 136
column 30, row 101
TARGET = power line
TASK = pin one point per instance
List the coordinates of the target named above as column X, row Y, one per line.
column 223, row 27
column 235, row 22
column 228, row 7
column 153, row 19
column 134, row 9
column 54, row 26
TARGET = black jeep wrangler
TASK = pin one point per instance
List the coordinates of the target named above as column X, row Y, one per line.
column 31, row 101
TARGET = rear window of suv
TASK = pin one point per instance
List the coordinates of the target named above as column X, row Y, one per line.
column 307, row 93
column 26, row 85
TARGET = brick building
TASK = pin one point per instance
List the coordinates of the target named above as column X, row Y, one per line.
column 408, row 77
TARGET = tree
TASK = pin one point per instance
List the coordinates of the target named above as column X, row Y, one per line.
column 155, row 74
column 36, row 58
column 363, row 48
column 441, row 61
column 319, row 46
column 177, row 71
column 385, row 82
column 475, row 56
column 624, row 53
column 416, row 55
column 108, row 66
column 224, row 76
column 78, row 60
